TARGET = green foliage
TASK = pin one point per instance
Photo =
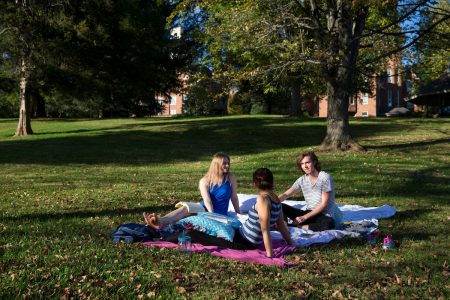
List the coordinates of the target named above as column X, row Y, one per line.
column 60, row 202
column 431, row 55
column 8, row 104
column 239, row 103
column 113, row 56
column 247, row 103
column 258, row 105
column 203, row 95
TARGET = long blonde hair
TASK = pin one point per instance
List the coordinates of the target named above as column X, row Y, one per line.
column 215, row 174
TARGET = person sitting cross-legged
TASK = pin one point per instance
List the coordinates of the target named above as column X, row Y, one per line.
column 317, row 187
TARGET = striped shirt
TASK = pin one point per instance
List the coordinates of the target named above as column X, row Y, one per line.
column 251, row 230
column 313, row 194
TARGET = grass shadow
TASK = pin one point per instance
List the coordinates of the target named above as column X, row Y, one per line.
column 410, row 145
column 407, row 215
column 423, row 183
column 172, row 141
column 43, row 217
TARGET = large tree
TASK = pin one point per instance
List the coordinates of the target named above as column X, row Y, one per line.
column 306, row 38
column 22, row 32
column 341, row 29
column 115, row 56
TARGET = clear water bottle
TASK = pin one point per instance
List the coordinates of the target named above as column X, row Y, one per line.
column 184, row 243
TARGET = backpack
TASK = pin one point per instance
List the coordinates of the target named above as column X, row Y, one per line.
column 131, row 233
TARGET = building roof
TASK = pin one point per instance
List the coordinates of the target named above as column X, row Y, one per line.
column 435, row 93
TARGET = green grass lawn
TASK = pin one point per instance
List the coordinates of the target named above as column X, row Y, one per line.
column 66, row 188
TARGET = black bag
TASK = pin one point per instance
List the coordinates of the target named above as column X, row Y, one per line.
column 131, row 233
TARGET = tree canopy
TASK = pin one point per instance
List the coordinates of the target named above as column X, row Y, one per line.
column 110, row 57
column 330, row 45
column 430, row 57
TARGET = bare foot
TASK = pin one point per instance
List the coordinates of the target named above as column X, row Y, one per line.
column 152, row 220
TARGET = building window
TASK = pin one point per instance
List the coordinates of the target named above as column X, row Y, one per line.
column 389, row 100
column 389, row 74
column 365, row 98
column 173, row 111
column 173, row 100
column 364, row 114
column 352, row 100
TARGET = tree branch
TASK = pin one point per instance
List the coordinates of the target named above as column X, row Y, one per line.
column 397, row 21
column 415, row 40
column 4, row 30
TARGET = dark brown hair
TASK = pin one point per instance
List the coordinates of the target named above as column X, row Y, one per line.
column 312, row 156
column 263, row 179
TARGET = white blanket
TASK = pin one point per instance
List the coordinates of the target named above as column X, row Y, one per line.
column 304, row 237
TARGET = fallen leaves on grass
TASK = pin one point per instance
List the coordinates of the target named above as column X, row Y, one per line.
column 445, row 269
column 181, row 290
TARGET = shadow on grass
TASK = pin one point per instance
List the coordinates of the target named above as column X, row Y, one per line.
column 412, row 235
column 425, row 183
column 432, row 184
column 411, row 145
column 71, row 131
column 174, row 140
column 408, row 215
column 7, row 120
column 42, row 217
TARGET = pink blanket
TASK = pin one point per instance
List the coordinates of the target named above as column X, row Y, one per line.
column 257, row 256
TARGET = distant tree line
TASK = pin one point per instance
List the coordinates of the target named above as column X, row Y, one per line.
column 101, row 58
column 85, row 58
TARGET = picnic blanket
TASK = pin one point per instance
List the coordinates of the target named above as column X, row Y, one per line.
column 258, row 256
column 356, row 214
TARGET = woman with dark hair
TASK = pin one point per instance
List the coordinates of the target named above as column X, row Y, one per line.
column 265, row 215
column 317, row 187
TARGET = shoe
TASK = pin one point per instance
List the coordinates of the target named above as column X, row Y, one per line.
column 126, row 239
column 388, row 243
column 372, row 238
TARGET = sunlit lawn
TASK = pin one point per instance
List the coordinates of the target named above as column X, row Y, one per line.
column 66, row 188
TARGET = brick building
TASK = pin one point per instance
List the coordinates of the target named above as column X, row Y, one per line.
column 173, row 106
column 389, row 91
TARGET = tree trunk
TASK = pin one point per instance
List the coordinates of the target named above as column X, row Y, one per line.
column 24, row 126
column 338, row 128
column 296, row 99
column 338, row 74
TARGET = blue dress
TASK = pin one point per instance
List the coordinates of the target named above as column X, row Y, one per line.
column 220, row 197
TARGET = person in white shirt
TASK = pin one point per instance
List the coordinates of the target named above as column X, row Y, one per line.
column 320, row 212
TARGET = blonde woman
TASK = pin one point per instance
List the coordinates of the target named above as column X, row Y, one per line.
column 217, row 188
column 265, row 215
